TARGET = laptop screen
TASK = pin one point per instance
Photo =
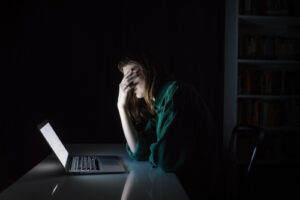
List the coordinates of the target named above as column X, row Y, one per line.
column 55, row 143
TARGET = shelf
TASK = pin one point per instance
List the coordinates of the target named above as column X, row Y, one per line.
column 270, row 162
column 283, row 128
column 277, row 129
column 271, row 21
column 269, row 62
column 268, row 97
column 282, row 65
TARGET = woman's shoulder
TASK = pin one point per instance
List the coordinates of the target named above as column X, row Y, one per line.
column 166, row 92
column 178, row 88
column 177, row 91
column 171, row 87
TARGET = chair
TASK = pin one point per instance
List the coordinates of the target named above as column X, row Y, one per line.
column 241, row 181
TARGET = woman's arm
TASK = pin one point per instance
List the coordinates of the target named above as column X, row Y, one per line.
column 180, row 130
column 129, row 130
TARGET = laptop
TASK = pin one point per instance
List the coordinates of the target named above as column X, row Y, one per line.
column 80, row 164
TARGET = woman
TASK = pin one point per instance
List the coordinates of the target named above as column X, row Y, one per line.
column 178, row 134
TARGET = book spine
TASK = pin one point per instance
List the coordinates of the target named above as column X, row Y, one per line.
column 248, row 7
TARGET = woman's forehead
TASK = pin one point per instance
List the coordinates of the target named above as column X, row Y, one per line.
column 129, row 67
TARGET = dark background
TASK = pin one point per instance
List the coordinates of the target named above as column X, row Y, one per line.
column 59, row 62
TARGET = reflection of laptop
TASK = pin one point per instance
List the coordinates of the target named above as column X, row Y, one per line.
column 80, row 164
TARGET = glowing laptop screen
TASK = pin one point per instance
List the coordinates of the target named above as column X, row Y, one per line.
column 55, row 143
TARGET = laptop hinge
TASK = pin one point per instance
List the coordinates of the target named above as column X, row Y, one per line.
column 68, row 164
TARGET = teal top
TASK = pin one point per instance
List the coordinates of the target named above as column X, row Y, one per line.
column 171, row 139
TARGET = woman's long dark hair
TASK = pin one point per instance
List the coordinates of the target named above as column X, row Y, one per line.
column 143, row 109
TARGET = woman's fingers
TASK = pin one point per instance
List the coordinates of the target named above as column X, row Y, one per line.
column 132, row 75
column 126, row 76
column 130, row 85
column 131, row 78
column 127, row 84
column 128, row 80
column 129, row 73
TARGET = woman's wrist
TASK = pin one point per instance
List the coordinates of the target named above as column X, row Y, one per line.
column 121, row 107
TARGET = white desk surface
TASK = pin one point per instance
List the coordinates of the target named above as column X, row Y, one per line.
column 47, row 180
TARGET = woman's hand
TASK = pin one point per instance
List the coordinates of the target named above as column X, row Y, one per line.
column 125, row 86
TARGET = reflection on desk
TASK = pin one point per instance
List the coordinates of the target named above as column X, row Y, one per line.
column 150, row 186
column 48, row 180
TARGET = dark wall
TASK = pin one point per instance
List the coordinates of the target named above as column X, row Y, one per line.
column 58, row 62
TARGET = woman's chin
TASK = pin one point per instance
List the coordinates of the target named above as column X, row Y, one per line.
column 139, row 96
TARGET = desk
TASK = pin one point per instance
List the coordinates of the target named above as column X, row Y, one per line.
column 47, row 180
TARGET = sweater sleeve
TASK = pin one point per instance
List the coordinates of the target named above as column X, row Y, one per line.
column 145, row 139
column 176, row 132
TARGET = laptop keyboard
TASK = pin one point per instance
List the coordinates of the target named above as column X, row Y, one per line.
column 85, row 163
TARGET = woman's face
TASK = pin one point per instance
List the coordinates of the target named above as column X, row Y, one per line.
column 139, row 81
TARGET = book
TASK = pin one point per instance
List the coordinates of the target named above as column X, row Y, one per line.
column 271, row 113
column 269, row 7
column 263, row 46
column 259, row 82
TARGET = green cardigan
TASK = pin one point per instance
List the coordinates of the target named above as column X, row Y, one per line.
column 169, row 139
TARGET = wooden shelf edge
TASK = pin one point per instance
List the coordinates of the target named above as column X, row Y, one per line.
column 270, row 162
column 271, row 62
column 267, row 17
column 278, row 128
column 273, row 97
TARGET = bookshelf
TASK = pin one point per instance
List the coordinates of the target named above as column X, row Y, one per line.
column 268, row 97
column 269, row 21
column 262, row 66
